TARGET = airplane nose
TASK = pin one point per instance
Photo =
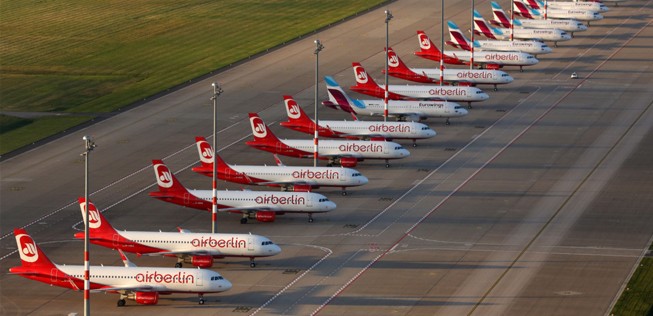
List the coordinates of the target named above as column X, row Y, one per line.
column 598, row 16
column 363, row 180
column 225, row 285
column 462, row 112
column 275, row 250
column 405, row 152
column 328, row 206
column 485, row 96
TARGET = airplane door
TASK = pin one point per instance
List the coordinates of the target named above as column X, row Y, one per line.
column 341, row 174
column 199, row 278
column 116, row 240
column 186, row 198
column 309, row 202
column 54, row 275
column 386, row 147
column 250, row 243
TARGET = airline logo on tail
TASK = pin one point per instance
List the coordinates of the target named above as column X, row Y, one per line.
column 206, row 152
column 94, row 219
column 163, row 176
column 361, row 75
column 393, row 60
column 27, row 248
column 258, row 127
column 292, row 108
column 424, row 41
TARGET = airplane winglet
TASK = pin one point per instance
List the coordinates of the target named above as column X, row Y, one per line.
column 125, row 260
column 278, row 160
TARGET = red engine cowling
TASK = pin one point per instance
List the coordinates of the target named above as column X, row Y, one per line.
column 301, row 188
column 492, row 66
column 378, row 139
column 146, row 298
column 348, row 162
column 201, row 261
column 265, row 216
column 465, row 84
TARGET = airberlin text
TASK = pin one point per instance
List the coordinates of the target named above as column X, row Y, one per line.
column 273, row 199
column 401, row 128
column 156, row 277
column 309, row 174
column 375, row 148
column 233, row 242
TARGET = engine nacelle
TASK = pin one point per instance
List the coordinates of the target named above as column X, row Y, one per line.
column 301, row 188
column 348, row 162
column 265, row 216
column 493, row 66
column 145, row 298
column 200, row 261
column 465, row 84
column 378, row 139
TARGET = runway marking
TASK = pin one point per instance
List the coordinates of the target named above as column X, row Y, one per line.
column 560, row 253
column 327, row 250
column 581, row 183
column 476, row 172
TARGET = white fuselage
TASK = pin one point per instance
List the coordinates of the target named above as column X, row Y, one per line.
column 582, row 15
column 156, row 279
column 302, row 202
column 422, row 109
column 579, row 5
column 449, row 93
column 390, row 130
column 476, row 76
column 527, row 33
column 569, row 25
column 217, row 245
column 531, row 47
column 351, row 148
column 314, row 176
column 500, row 58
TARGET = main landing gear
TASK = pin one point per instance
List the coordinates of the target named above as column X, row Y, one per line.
column 252, row 263
column 178, row 265
column 310, row 217
column 121, row 302
column 495, row 88
column 387, row 163
column 344, row 192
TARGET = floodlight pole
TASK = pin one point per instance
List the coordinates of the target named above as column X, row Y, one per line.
column 471, row 60
column 442, row 42
column 318, row 48
column 88, row 146
column 388, row 17
column 512, row 19
column 217, row 90
column 546, row 7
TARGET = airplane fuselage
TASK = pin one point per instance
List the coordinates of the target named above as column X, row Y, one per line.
column 426, row 92
column 389, row 130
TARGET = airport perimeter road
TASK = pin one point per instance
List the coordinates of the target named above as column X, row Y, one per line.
column 536, row 203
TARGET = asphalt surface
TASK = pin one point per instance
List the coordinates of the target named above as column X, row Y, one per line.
column 536, row 203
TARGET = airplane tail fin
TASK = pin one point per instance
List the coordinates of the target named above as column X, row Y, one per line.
column 481, row 27
column 262, row 134
column 500, row 17
column 362, row 79
column 521, row 8
column 31, row 255
column 397, row 68
column 428, row 49
column 206, row 155
column 98, row 225
column 338, row 98
column 166, row 180
column 458, row 39
column 295, row 113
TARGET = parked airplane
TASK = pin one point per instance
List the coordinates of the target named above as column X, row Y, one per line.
column 299, row 121
column 481, row 27
column 198, row 249
column 397, row 68
column 347, row 153
column 366, row 85
column 569, row 5
column 524, row 10
column 487, row 59
column 459, row 40
column 142, row 285
column 263, row 206
column 402, row 110
column 569, row 25
column 298, row 179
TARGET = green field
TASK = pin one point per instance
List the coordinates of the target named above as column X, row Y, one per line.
column 637, row 298
column 96, row 56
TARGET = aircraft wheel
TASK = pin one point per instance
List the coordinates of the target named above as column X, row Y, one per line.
column 243, row 220
column 310, row 219
column 344, row 193
column 252, row 264
column 121, row 303
column 201, row 301
column 178, row 265
column 387, row 165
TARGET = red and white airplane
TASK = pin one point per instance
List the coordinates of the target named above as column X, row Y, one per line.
column 366, row 85
column 402, row 110
column 298, row 179
column 459, row 40
column 397, row 68
column 523, row 9
column 299, row 121
column 487, row 59
column 481, row 27
column 347, row 153
column 502, row 19
column 141, row 284
column 263, row 206
column 198, row 249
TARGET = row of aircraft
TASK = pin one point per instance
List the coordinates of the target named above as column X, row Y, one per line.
column 510, row 43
